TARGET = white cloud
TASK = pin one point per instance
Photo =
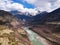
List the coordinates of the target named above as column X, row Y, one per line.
column 5, row 4
column 45, row 5
column 31, row 11
column 42, row 5
column 9, row 5
column 31, row 1
column 57, row 4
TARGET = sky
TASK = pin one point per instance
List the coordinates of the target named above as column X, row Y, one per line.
column 31, row 6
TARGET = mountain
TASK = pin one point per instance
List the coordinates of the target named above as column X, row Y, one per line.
column 11, row 32
column 43, row 17
column 40, row 18
column 29, row 18
column 22, row 15
column 53, row 16
column 19, row 16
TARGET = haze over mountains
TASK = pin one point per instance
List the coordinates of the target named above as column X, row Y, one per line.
column 39, row 18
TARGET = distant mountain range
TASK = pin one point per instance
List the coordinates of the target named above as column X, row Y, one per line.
column 39, row 18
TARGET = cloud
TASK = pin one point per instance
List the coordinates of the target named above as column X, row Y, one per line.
column 57, row 4
column 42, row 5
column 45, row 5
column 9, row 5
column 31, row 1
column 31, row 11
column 5, row 4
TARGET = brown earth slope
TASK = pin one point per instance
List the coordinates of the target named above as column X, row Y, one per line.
column 11, row 32
column 48, row 32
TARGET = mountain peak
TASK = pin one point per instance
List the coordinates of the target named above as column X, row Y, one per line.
column 57, row 10
column 4, row 13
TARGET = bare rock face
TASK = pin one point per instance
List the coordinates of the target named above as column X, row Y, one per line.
column 11, row 32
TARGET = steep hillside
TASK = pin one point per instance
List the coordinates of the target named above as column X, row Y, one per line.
column 53, row 16
column 11, row 32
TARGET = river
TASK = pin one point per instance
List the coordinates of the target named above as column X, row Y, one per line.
column 34, row 37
